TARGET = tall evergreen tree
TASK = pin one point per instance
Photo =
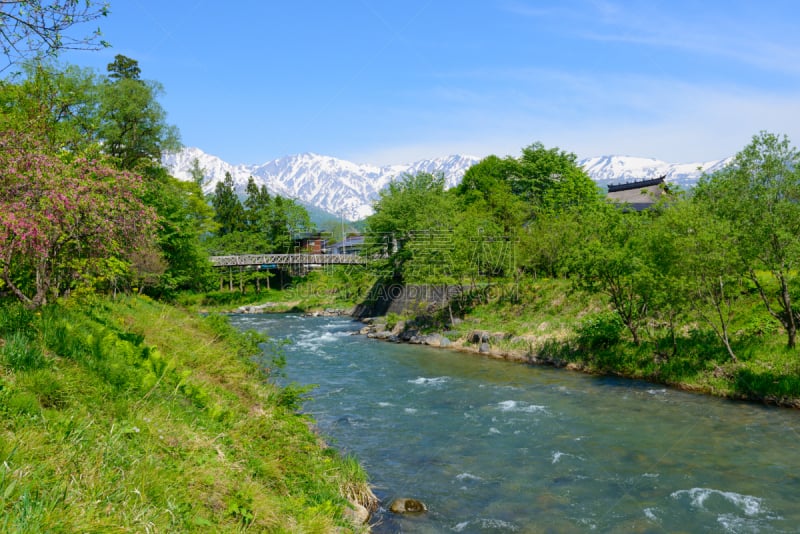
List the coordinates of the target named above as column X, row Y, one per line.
column 229, row 213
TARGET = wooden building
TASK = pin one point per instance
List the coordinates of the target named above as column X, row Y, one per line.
column 639, row 194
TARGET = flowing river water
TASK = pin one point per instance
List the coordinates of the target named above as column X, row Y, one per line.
column 493, row 446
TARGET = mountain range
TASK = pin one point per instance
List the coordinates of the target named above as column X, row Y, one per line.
column 346, row 190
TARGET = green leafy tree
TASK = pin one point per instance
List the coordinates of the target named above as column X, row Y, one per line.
column 612, row 262
column 758, row 193
column 184, row 218
column 482, row 248
column 124, row 68
column 59, row 106
column 31, row 29
column 286, row 219
column 133, row 124
column 487, row 186
column 257, row 206
column 197, row 172
column 548, row 243
column 552, row 180
column 413, row 207
column 703, row 271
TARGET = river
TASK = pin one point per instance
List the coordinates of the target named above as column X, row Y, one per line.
column 493, row 446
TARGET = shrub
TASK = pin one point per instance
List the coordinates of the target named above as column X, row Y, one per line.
column 600, row 330
column 292, row 396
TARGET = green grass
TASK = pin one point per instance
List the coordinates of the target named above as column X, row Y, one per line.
column 338, row 288
column 549, row 319
column 136, row 416
column 573, row 327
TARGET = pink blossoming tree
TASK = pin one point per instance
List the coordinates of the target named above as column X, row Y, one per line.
column 61, row 220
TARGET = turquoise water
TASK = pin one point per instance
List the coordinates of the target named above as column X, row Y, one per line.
column 492, row 446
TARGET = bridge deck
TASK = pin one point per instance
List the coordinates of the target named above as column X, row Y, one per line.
column 287, row 259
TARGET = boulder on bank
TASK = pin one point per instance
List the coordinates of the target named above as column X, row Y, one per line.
column 328, row 312
column 497, row 337
column 478, row 336
column 358, row 514
column 434, row 340
column 407, row 506
column 383, row 334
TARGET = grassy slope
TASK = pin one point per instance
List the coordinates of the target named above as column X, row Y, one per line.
column 340, row 288
column 545, row 324
column 139, row 417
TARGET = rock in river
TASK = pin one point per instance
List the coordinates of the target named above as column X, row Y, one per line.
column 405, row 506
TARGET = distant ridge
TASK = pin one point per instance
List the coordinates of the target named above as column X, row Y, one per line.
column 340, row 187
column 347, row 190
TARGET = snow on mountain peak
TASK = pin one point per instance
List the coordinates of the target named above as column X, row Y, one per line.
column 608, row 169
column 340, row 187
column 347, row 189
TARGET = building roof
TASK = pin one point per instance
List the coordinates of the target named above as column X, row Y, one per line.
column 639, row 194
column 636, row 184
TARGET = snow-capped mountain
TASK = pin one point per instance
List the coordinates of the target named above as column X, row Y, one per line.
column 346, row 189
column 337, row 186
column 619, row 169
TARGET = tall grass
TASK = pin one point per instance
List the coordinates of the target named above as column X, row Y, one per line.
column 133, row 415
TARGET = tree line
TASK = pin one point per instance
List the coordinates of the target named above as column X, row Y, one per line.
column 86, row 204
column 685, row 263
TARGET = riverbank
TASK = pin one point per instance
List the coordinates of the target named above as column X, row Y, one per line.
column 136, row 415
column 563, row 354
column 551, row 324
column 548, row 322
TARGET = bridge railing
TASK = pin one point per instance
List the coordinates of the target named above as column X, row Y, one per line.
column 242, row 260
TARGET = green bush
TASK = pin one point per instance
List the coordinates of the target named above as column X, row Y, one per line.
column 292, row 396
column 600, row 330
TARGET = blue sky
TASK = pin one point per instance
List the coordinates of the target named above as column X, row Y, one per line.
column 393, row 82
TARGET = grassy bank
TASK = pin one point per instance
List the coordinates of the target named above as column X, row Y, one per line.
column 136, row 416
column 548, row 321
column 339, row 287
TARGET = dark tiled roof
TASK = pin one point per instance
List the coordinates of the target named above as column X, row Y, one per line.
column 638, row 184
